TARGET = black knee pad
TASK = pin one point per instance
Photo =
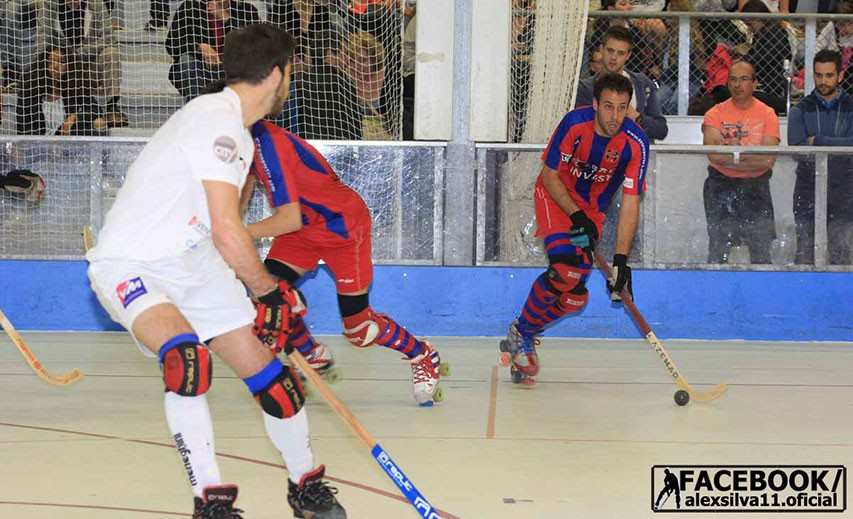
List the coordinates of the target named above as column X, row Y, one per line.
column 282, row 271
column 351, row 305
column 278, row 391
column 187, row 365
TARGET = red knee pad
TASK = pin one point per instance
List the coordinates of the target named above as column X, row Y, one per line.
column 284, row 396
column 363, row 328
column 187, row 368
column 564, row 278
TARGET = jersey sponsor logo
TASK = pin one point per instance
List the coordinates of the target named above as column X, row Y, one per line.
column 130, row 290
column 586, row 171
column 628, row 183
column 566, row 157
column 225, row 149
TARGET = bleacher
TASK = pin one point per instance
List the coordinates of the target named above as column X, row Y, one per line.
column 147, row 96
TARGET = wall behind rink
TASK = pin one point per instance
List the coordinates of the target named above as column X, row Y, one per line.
column 481, row 301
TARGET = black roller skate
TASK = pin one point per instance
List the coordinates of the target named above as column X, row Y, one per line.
column 312, row 498
column 217, row 503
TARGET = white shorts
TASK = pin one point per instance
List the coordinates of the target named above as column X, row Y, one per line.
column 200, row 284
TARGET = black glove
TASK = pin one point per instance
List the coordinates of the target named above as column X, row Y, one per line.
column 584, row 232
column 275, row 313
column 622, row 277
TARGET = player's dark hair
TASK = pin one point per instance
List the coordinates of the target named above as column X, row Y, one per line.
column 613, row 82
column 618, row 33
column 252, row 52
column 828, row 56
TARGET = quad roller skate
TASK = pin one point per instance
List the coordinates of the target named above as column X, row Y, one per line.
column 320, row 358
column 427, row 370
column 518, row 352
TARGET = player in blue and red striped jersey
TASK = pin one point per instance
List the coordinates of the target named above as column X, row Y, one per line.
column 319, row 217
column 593, row 152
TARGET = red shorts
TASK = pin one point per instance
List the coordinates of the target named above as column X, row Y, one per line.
column 551, row 219
column 350, row 260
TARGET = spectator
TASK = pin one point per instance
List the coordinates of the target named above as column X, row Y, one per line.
column 523, row 24
column 647, row 33
column 409, row 54
column 644, row 109
column 738, row 205
column 382, row 19
column 824, row 118
column 769, row 51
column 342, row 92
column 305, row 20
column 196, row 38
column 838, row 36
column 84, row 29
column 158, row 15
column 18, row 41
column 50, row 103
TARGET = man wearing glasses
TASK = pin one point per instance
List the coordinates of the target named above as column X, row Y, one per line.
column 738, row 205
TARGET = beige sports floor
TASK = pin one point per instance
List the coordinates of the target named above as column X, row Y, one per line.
column 580, row 444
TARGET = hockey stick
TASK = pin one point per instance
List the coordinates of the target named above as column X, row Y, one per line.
column 57, row 380
column 407, row 488
column 695, row 394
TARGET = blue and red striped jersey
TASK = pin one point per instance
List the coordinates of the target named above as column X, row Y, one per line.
column 291, row 170
column 593, row 167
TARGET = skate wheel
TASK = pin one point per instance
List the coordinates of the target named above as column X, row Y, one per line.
column 505, row 359
column 332, row 375
column 444, row 369
column 438, row 395
column 504, row 346
column 520, row 378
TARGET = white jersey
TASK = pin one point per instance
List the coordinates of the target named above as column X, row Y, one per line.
column 161, row 210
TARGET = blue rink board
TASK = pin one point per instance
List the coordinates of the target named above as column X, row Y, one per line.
column 794, row 306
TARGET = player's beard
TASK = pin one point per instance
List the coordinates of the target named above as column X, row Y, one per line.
column 826, row 90
column 279, row 97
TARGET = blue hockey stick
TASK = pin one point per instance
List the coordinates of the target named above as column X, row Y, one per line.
column 407, row 488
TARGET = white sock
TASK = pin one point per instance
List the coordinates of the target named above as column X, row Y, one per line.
column 192, row 430
column 290, row 436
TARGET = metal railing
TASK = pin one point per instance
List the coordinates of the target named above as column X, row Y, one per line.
column 685, row 31
column 673, row 198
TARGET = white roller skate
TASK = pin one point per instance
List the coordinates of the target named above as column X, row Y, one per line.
column 427, row 370
column 519, row 353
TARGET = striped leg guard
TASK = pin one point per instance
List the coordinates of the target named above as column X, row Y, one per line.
column 368, row 327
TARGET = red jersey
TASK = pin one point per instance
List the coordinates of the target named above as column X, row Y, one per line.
column 292, row 170
column 593, row 167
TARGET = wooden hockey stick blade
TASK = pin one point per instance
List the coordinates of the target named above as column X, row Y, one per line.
column 88, row 238
column 695, row 394
column 58, row 380
column 391, row 468
column 628, row 302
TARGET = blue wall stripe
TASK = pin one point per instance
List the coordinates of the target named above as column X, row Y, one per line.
column 55, row 295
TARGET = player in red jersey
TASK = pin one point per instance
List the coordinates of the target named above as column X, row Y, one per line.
column 319, row 217
column 593, row 152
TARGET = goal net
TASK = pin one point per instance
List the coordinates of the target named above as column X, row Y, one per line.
column 113, row 67
column 547, row 44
